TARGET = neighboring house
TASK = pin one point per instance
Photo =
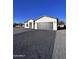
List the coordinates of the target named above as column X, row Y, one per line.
column 18, row 25
column 43, row 23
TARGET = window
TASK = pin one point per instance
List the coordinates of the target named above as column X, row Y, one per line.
column 27, row 25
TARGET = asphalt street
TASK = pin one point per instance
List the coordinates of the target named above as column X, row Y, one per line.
column 33, row 44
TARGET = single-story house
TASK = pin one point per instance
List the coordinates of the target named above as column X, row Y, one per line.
column 18, row 25
column 29, row 24
column 43, row 23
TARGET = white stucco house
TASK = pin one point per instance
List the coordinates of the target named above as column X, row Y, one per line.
column 42, row 23
column 29, row 24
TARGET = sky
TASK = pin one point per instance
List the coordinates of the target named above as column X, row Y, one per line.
column 33, row 9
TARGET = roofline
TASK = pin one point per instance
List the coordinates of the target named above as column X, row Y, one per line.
column 28, row 20
column 41, row 17
column 46, row 16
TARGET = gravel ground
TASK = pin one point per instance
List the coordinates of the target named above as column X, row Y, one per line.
column 34, row 44
column 59, row 51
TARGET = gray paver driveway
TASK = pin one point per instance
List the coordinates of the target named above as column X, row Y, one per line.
column 34, row 44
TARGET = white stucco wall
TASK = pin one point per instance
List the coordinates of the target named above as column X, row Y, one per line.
column 25, row 25
column 35, row 25
column 55, row 26
column 47, row 19
column 31, row 21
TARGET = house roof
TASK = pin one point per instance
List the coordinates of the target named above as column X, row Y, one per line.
column 41, row 17
column 47, row 16
column 28, row 20
column 46, row 19
column 31, row 20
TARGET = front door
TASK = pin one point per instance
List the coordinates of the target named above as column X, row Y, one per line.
column 30, row 25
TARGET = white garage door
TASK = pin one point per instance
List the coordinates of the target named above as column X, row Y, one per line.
column 45, row 25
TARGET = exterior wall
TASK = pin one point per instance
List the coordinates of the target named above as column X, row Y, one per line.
column 31, row 21
column 28, row 23
column 55, row 26
column 31, row 25
column 35, row 25
column 25, row 25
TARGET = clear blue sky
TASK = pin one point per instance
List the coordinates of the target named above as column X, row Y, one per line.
column 27, row 9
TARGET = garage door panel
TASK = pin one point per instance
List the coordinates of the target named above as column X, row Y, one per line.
column 45, row 25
